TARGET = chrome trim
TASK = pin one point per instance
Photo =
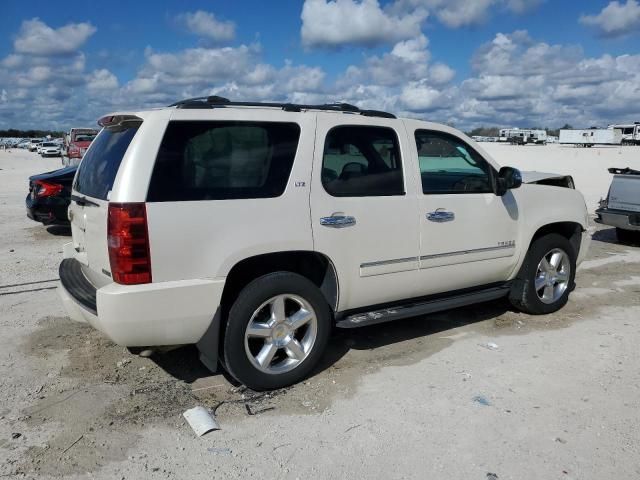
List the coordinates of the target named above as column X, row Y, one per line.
column 338, row 221
column 440, row 216
column 467, row 252
column 388, row 262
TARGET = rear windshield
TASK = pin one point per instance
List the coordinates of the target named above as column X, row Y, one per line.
column 213, row 160
column 99, row 166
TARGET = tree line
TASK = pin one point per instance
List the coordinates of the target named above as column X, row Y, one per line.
column 15, row 133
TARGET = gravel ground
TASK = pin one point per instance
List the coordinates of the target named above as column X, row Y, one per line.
column 475, row 393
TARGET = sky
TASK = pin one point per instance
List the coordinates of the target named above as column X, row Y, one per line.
column 467, row 63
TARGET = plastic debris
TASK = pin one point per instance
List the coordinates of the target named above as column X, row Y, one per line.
column 490, row 346
column 219, row 451
column 481, row 400
column 201, row 420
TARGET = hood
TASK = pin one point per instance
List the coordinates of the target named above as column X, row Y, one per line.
column 544, row 178
column 60, row 174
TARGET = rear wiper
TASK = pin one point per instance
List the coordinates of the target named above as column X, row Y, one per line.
column 83, row 202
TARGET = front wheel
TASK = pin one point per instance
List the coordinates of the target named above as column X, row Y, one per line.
column 276, row 331
column 546, row 277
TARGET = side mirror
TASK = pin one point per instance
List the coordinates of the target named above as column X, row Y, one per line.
column 508, row 179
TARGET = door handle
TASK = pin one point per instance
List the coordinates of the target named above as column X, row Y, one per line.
column 440, row 216
column 338, row 221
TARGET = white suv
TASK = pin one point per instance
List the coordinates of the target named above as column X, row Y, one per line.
column 253, row 229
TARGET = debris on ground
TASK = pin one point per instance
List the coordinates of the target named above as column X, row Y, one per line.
column 490, row 346
column 481, row 400
column 201, row 420
column 16, row 435
column 219, row 451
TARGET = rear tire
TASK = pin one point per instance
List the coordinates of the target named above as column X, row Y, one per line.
column 276, row 332
column 627, row 237
column 546, row 276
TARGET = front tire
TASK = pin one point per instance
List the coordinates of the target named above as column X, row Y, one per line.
column 277, row 330
column 546, row 277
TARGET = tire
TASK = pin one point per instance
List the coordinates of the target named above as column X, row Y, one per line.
column 627, row 237
column 553, row 285
column 273, row 354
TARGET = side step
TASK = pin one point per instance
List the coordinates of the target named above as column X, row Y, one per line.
column 422, row 307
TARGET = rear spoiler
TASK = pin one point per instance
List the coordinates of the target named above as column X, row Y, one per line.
column 623, row 171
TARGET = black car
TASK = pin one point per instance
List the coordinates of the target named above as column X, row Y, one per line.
column 50, row 195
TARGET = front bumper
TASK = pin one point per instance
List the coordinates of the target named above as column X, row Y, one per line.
column 618, row 218
column 154, row 314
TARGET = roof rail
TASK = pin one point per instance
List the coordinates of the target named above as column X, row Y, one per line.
column 218, row 102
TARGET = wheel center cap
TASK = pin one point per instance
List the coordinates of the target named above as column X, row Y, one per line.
column 280, row 332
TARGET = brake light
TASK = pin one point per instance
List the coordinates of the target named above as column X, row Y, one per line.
column 128, row 240
column 46, row 189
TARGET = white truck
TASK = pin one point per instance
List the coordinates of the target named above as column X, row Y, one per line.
column 591, row 136
column 254, row 229
column 621, row 208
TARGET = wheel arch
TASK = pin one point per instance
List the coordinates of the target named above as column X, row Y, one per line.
column 572, row 231
column 315, row 266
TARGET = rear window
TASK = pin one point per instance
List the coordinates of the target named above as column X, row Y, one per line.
column 99, row 166
column 213, row 160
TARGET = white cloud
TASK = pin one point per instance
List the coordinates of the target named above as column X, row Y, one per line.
column 37, row 38
column 205, row 24
column 338, row 23
column 616, row 19
column 102, row 80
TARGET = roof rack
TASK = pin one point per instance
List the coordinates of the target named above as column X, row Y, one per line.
column 220, row 102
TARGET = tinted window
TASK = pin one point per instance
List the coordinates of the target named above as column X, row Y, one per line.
column 99, row 166
column 362, row 161
column 448, row 165
column 223, row 160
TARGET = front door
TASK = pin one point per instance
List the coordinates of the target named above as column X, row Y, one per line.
column 364, row 206
column 467, row 233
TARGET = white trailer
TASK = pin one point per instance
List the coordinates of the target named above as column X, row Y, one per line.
column 523, row 136
column 591, row 137
column 630, row 132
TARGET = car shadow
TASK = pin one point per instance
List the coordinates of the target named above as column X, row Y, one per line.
column 59, row 230
column 606, row 235
column 183, row 363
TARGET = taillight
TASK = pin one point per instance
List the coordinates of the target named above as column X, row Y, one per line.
column 128, row 240
column 46, row 189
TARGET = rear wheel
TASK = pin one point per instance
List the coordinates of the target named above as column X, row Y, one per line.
column 629, row 237
column 276, row 332
column 546, row 277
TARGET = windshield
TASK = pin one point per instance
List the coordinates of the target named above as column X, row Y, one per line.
column 84, row 137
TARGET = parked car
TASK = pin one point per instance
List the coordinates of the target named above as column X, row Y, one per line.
column 50, row 149
column 49, row 196
column 75, row 145
column 621, row 208
column 33, row 144
column 253, row 229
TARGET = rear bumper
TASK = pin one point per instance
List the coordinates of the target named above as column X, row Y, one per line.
column 166, row 313
column 49, row 212
column 618, row 218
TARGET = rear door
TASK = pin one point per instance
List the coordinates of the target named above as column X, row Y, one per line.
column 364, row 208
column 89, row 205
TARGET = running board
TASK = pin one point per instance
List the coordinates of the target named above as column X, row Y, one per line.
column 423, row 307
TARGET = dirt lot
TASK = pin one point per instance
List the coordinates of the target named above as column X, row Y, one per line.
column 424, row 398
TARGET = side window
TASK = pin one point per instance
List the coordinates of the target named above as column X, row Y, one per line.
column 223, row 160
column 362, row 161
column 448, row 165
